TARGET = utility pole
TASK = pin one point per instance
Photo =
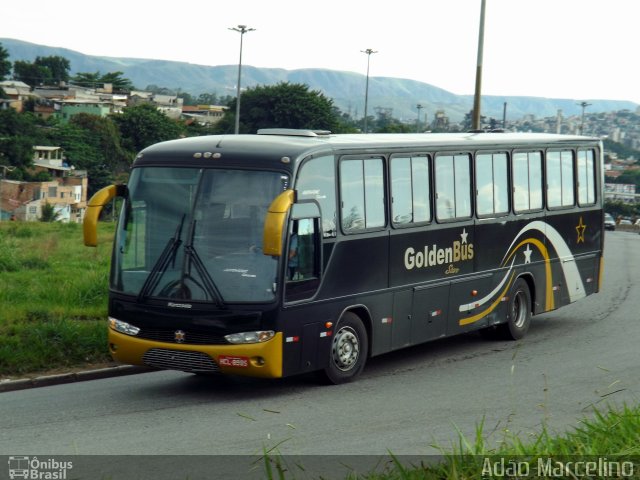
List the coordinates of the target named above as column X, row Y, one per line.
column 419, row 107
column 242, row 29
column 368, row 51
column 476, row 99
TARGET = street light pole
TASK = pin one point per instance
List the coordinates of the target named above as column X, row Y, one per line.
column 242, row 29
column 419, row 107
column 583, row 105
column 368, row 51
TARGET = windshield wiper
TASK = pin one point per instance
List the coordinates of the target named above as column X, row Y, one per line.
column 167, row 255
column 192, row 256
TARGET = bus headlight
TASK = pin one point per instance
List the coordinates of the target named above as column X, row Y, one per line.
column 250, row 337
column 123, row 327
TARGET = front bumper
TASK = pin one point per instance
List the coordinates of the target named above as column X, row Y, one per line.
column 253, row 360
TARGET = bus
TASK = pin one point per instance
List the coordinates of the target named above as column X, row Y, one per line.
column 294, row 251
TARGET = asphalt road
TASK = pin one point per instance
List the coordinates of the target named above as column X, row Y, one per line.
column 578, row 357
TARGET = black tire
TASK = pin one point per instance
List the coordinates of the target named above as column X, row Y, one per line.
column 349, row 350
column 518, row 315
column 518, row 311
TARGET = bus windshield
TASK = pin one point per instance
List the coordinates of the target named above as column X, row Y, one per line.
column 196, row 234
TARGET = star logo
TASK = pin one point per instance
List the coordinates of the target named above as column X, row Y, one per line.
column 179, row 336
column 463, row 235
column 527, row 254
column 580, row 230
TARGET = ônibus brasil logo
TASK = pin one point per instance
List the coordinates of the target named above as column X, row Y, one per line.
column 33, row 468
column 431, row 256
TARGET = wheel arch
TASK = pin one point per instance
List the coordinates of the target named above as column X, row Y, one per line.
column 363, row 313
column 531, row 283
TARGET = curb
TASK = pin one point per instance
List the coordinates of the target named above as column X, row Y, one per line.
column 49, row 380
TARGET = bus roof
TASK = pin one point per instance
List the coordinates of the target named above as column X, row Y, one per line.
column 274, row 144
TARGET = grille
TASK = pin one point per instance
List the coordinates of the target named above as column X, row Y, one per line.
column 190, row 337
column 179, row 360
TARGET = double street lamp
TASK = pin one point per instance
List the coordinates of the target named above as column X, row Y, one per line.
column 368, row 51
column 419, row 107
column 242, row 29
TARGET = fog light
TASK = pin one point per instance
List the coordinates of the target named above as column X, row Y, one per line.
column 257, row 361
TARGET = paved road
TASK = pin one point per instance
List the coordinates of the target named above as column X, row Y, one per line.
column 572, row 359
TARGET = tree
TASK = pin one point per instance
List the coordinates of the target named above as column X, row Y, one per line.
column 30, row 73
column 92, row 143
column 49, row 213
column 285, row 105
column 17, row 137
column 93, row 80
column 5, row 64
column 87, row 79
column 57, row 66
column 144, row 125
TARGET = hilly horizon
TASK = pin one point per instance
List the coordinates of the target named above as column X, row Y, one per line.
column 345, row 88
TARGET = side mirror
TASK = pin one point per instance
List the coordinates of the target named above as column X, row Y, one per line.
column 274, row 223
column 97, row 201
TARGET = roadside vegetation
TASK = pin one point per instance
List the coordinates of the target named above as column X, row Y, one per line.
column 604, row 445
column 53, row 297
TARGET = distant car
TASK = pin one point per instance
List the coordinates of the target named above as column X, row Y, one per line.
column 624, row 221
column 609, row 222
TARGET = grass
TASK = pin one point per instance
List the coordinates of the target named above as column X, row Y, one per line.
column 610, row 440
column 53, row 297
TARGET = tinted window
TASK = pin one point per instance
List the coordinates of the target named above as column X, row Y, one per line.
column 410, row 190
column 586, row 177
column 491, row 184
column 559, row 171
column 527, row 181
column 362, row 194
column 453, row 186
column 317, row 180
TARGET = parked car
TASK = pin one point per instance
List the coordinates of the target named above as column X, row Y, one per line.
column 609, row 222
column 625, row 221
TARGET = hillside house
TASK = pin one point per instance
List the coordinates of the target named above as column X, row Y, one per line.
column 66, row 191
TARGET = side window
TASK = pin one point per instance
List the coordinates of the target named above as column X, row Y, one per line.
column 362, row 194
column 410, row 190
column 317, row 181
column 492, row 186
column 586, row 177
column 453, row 186
column 560, row 190
column 303, row 260
column 527, row 181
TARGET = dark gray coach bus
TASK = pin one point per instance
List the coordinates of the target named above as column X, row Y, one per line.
column 293, row 251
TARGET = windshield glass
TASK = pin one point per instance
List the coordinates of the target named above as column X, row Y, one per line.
column 196, row 234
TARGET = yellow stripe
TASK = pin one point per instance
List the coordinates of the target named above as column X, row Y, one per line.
column 492, row 307
column 549, row 300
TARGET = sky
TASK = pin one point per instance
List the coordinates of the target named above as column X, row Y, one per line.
column 577, row 49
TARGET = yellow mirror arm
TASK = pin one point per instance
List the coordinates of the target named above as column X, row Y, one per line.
column 274, row 223
column 99, row 200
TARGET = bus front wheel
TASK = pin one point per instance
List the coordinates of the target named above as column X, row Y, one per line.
column 349, row 350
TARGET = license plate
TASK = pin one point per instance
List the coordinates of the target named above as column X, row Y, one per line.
column 237, row 362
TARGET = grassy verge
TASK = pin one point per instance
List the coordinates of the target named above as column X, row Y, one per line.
column 53, row 297
column 606, row 445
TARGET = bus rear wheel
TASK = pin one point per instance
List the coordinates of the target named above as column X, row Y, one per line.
column 518, row 315
column 349, row 350
column 518, row 312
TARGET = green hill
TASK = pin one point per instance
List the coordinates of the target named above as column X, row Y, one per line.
column 345, row 88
